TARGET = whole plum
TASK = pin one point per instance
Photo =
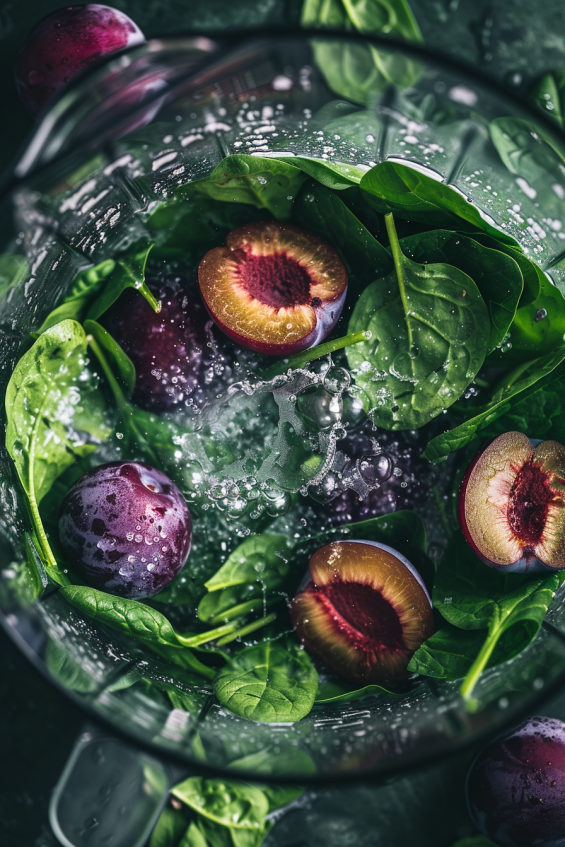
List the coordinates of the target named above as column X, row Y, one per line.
column 126, row 529
column 165, row 347
column 64, row 43
column 516, row 786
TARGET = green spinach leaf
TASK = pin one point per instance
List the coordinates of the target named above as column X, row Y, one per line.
column 84, row 289
column 265, row 183
column 526, row 152
column 322, row 211
column 549, row 94
column 532, row 274
column 334, row 175
column 232, row 804
column 338, row 692
column 260, row 558
column 268, row 682
column 356, row 70
column 129, row 272
column 429, row 335
column 496, row 275
column 408, row 193
column 540, row 373
column 121, row 364
column 170, row 828
column 13, row 270
column 55, row 417
column 472, row 596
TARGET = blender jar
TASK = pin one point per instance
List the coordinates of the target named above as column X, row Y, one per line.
column 112, row 146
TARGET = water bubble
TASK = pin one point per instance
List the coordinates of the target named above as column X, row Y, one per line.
column 319, row 408
column 375, row 467
column 326, row 490
column 336, row 380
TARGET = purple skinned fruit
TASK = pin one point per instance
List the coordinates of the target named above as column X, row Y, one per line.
column 165, row 347
column 516, row 786
column 66, row 42
column 125, row 528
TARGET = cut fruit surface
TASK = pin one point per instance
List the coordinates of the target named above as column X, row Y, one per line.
column 365, row 611
column 511, row 504
column 274, row 288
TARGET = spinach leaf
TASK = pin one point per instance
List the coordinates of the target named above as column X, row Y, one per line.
column 169, row 829
column 322, row 211
column 193, row 225
column 259, row 558
column 338, row 692
column 67, row 670
column 266, row 183
column 472, row 596
column 475, row 841
column 13, row 270
column 334, row 175
column 401, row 189
column 54, row 417
column 354, row 129
column 268, row 682
column 356, row 70
column 540, row 373
column 129, row 272
column 121, row 364
column 232, row 804
column 135, row 619
column 429, row 334
column 496, row 275
column 526, row 152
column 272, row 762
column 220, row 606
column 450, row 652
column 532, row 274
column 549, row 94
column 540, row 415
column 84, row 289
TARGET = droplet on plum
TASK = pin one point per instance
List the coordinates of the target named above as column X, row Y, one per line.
column 516, row 786
column 274, row 288
column 125, row 528
column 165, row 347
column 66, row 42
column 365, row 611
column 511, row 504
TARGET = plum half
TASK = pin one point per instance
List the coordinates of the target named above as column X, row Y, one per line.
column 516, row 786
column 64, row 43
column 511, row 504
column 274, row 288
column 364, row 612
column 125, row 528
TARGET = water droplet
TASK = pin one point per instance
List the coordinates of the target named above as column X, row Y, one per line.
column 540, row 315
column 375, row 467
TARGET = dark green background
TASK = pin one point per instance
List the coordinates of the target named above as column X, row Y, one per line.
column 515, row 42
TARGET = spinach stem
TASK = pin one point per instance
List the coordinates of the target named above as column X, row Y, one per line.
column 40, row 533
column 237, row 611
column 302, row 359
column 124, row 407
column 479, row 665
column 398, row 258
column 153, row 302
column 245, row 630
column 204, row 637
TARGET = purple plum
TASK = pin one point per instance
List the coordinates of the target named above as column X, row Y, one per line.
column 516, row 786
column 66, row 42
column 125, row 528
column 165, row 347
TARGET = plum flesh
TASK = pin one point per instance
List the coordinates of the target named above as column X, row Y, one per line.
column 364, row 612
column 511, row 504
column 516, row 786
column 125, row 528
column 274, row 288
column 66, row 42
column 165, row 347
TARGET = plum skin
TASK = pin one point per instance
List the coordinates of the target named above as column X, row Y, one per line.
column 64, row 43
column 165, row 347
column 516, row 786
column 125, row 528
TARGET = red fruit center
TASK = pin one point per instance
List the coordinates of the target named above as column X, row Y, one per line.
column 530, row 496
column 278, row 280
column 365, row 610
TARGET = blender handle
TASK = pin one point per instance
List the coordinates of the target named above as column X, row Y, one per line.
column 109, row 793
